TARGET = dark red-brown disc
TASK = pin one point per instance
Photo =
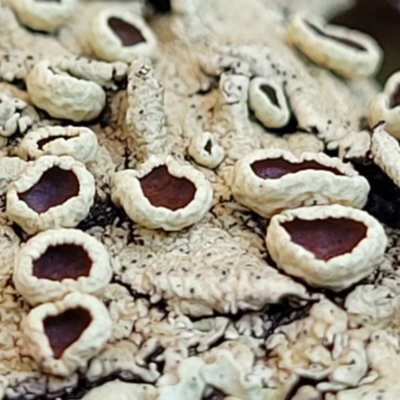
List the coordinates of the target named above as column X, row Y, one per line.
column 61, row 262
column 326, row 238
column 42, row 142
column 271, row 94
column 342, row 40
column 275, row 168
column 55, row 187
column 128, row 33
column 64, row 329
column 165, row 190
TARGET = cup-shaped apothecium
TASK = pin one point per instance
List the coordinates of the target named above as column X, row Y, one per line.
column 57, row 262
column 63, row 95
column 52, row 192
column 163, row 194
column 268, row 101
column 205, row 150
column 270, row 181
column 327, row 246
column 349, row 53
column 385, row 106
column 78, row 142
column 121, row 36
column 64, row 335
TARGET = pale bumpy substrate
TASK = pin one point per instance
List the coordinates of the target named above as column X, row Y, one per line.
column 66, row 215
column 337, row 272
column 271, row 195
column 374, row 304
column 355, row 144
column 383, row 355
column 105, row 74
column 10, row 169
column 80, row 351
column 321, row 347
column 144, row 120
column 36, row 289
column 125, row 391
column 13, row 117
column 77, row 142
column 193, row 274
column 353, row 363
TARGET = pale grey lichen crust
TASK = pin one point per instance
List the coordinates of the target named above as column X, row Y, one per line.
column 125, row 391
column 198, row 285
column 144, row 120
column 13, row 116
column 173, row 292
column 321, row 347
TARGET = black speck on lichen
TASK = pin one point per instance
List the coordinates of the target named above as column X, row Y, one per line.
column 285, row 313
column 102, row 213
column 22, row 236
column 15, row 139
column 291, row 127
column 215, row 395
column 363, row 124
column 160, row 6
column 208, row 146
column 19, row 84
